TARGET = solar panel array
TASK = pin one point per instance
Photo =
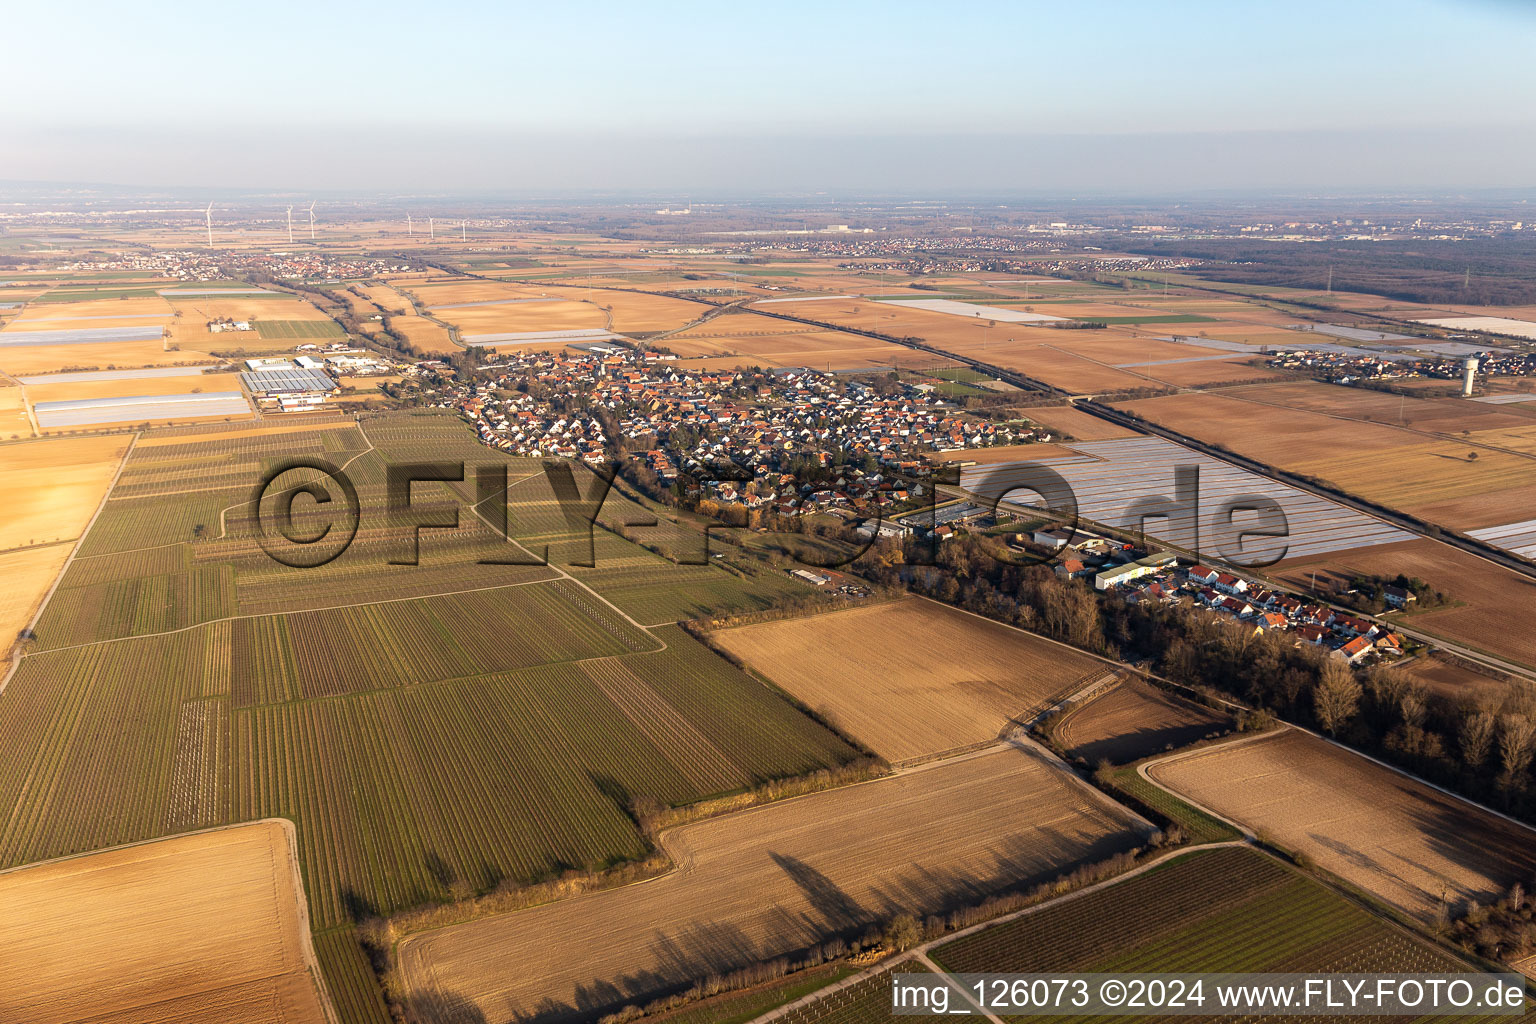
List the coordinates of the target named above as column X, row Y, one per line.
column 1119, row 481
column 286, row 380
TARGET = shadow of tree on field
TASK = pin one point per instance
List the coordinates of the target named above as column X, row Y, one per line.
column 441, row 1008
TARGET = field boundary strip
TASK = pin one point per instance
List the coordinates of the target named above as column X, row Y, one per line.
column 42, row 605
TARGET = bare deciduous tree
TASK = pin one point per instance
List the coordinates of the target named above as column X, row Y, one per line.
column 1476, row 738
column 1336, row 697
column 1517, row 743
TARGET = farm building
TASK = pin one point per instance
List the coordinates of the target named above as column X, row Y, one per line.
column 1146, row 565
column 289, row 387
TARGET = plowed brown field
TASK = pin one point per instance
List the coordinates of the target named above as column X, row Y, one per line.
column 1395, row 837
column 910, row 678
column 202, row 927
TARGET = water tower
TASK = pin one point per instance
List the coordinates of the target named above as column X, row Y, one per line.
column 1468, row 371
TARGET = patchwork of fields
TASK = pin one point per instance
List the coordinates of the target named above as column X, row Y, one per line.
column 426, row 727
column 1226, row 910
column 332, row 745
column 772, row 880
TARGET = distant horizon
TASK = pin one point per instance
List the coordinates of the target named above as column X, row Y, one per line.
column 989, row 98
column 1257, row 164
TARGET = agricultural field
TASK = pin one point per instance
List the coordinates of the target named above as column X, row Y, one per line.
column 1488, row 607
column 422, row 334
column 54, row 486
column 430, row 729
column 1457, row 682
column 28, row 573
column 68, row 390
column 1111, row 479
column 654, row 591
column 206, row 926
column 912, row 678
column 1400, row 840
column 1462, row 464
column 1134, row 720
column 305, row 330
column 1071, row 423
column 489, row 756
column 772, row 880
column 787, row 345
column 14, row 420
column 749, row 1004
column 1222, row 910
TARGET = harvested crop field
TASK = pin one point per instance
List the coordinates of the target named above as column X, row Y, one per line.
column 1456, row 681
column 54, row 486
column 1076, row 424
column 1422, row 465
column 201, row 927
column 819, row 350
column 772, row 880
column 1134, row 720
column 1393, row 836
column 911, row 678
column 423, row 334
column 28, row 572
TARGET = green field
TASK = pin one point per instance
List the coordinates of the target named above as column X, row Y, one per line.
column 867, row 1002
column 741, row 1007
column 1164, row 318
column 1198, row 826
column 285, row 329
column 88, row 294
column 431, row 729
column 1223, row 910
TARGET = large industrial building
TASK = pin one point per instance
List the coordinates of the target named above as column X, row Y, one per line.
column 287, row 386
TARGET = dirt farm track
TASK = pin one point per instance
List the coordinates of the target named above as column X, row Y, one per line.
column 769, row 881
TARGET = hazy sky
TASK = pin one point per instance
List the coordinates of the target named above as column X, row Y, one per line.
column 1133, row 96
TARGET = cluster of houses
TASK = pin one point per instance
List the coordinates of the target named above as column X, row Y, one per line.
column 213, row 265
column 1348, row 637
column 676, row 420
column 1156, row 578
column 1346, row 367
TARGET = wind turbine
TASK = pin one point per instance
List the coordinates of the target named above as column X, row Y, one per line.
column 431, row 228
column 311, row 221
column 409, row 229
column 290, row 225
column 463, row 234
column 208, row 216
